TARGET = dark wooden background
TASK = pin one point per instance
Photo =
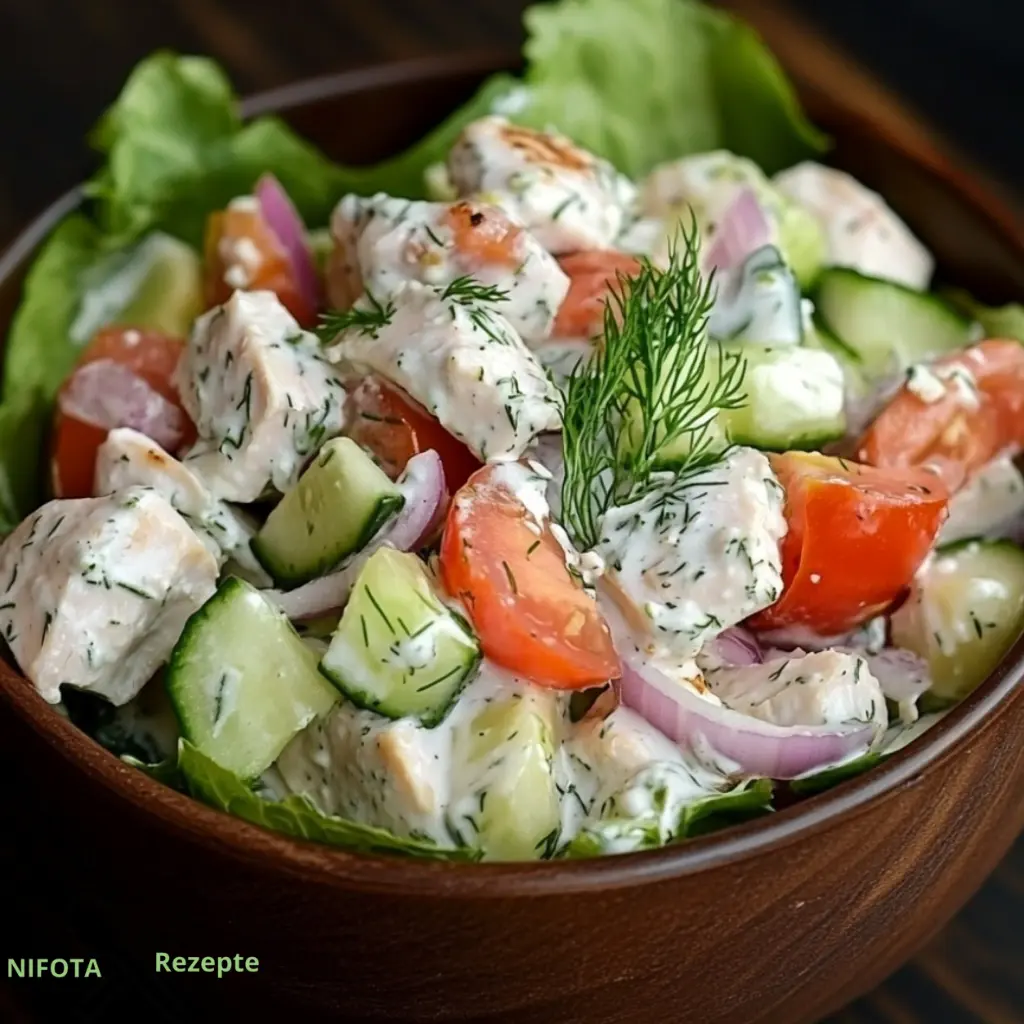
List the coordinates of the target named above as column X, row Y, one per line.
column 62, row 61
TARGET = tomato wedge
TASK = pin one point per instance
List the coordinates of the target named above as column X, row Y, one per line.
column 532, row 616
column 149, row 355
column 393, row 427
column 591, row 275
column 484, row 235
column 856, row 536
column 980, row 412
column 241, row 251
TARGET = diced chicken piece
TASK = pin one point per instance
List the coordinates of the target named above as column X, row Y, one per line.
column 604, row 754
column 128, row 459
column 990, row 504
column 95, row 591
column 629, row 784
column 390, row 241
column 567, row 197
column 822, row 688
column 261, row 395
column 696, row 555
column 361, row 766
column 463, row 362
column 863, row 231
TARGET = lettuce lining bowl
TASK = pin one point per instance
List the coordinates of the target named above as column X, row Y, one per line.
column 783, row 919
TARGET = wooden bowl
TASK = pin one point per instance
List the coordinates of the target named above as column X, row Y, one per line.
column 784, row 919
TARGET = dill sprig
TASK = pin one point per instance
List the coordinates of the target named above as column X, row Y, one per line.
column 368, row 316
column 478, row 299
column 468, row 291
column 655, row 382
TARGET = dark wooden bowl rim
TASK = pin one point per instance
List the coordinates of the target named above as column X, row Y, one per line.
column 397, row 875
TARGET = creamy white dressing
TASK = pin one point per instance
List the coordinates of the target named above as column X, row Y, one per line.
column 758, row 301
column 465, row 364
column 821, row 688
column 388, row 242
column 260, row 394
column 696, row 556
column 128, row 458
column 862, row 230
column 551, row 784
column 96, row 591
column 566, row 197
column 990, row 504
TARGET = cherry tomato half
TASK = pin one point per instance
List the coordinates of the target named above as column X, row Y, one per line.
column 532, row 616
column 980, row 412
column 856, row 536
column 592, row 275
column 395, row 428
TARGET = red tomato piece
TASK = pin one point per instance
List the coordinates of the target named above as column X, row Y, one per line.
column 395, row 428
column 592, row 275
column 483, row 234
column 533, row 617
column 241, row 251
column 856, row 536
column 963, row 429
column 150, row 356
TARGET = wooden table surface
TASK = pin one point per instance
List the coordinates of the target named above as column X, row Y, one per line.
column 61, row 65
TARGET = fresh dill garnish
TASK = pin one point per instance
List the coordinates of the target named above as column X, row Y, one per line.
column 368, row 318
column 467, row 291
column 655, row 381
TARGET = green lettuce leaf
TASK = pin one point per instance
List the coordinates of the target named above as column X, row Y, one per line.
column 996, row 321
column 39, row 350
column 296, row 815
column 896, row 737
column 166, row 772
column 642, row 81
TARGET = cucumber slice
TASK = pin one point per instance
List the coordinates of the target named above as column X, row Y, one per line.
column 964, row 612
column 506, row 798
column 158, row 284
column 340, row 502
column 759, row 302
column 242, row 682
column 398, row 650
column 794, row 399
column 889, row 326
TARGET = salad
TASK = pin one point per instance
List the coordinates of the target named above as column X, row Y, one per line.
column 592, row 476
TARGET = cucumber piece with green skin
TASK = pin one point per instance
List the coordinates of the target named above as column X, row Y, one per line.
column 398, row 650
column 794, row 399
column 157, row 285
column 965, row 610
column 506, row 800
column 794, row 402
column 242, row 682
column 340, row 503
column 889, row 326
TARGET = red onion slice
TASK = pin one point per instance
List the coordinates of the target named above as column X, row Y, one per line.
column 106, row 394
column 755, row 748
column 423, row 486
column 743, row 229
column 737, row 646
column 901, row 674
column 284, row 220
column 426, row 499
